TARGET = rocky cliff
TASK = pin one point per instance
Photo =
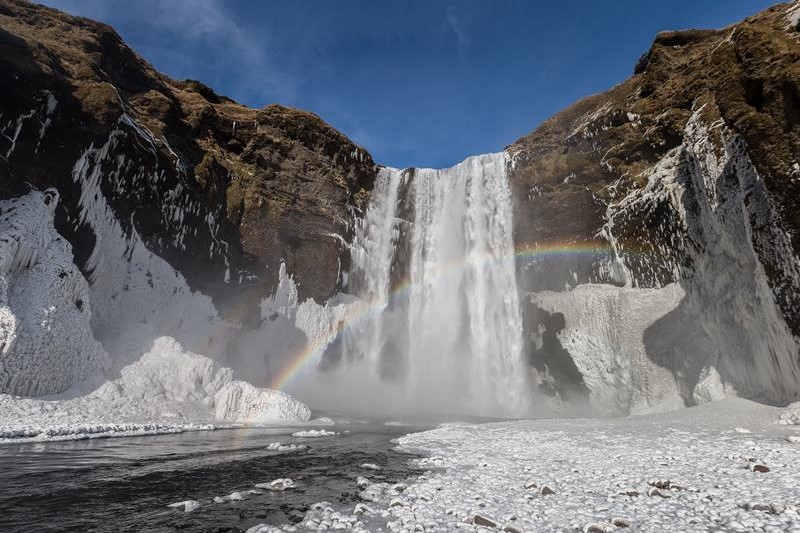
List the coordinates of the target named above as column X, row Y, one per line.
column 222, row 192
column 686, row 175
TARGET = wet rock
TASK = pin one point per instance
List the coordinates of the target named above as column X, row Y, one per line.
column 277, row 485
column 546, row 491
column 483, row 520
column 186, row 506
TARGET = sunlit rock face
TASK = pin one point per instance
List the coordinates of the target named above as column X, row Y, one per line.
column 683, row 178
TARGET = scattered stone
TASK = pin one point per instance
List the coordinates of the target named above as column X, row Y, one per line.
column 741, row 430
column 531, row 485
column 511, row 528
column 659, row 483
column 631, row 493
column 399, row 487
column 759, row 468
column 794, row 439
column 621, row 522
column 397, row 502
column 654, row 491
column 545, row 490
column 755, row 506
column 483, row 520
column 370, row 466
column 362, row 508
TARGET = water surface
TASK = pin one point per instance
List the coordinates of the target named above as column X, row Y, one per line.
column 125, row 484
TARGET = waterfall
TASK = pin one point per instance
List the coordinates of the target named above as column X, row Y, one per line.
column 433, row 260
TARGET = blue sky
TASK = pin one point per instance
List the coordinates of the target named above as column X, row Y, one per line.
column 415, row 82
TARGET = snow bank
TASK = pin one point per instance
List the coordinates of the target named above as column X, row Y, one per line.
column 134, row 302
column 45, row 308
column 167, row 390
column 685, row 471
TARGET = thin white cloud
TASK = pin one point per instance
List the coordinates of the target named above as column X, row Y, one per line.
column 462, row 39
column 194, row 22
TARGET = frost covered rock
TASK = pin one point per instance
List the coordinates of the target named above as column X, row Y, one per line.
column 168, row 389
column 239, row 401
column 791, row 416
column 186, row 506
column 277, row 485
column 314, row 433
column 46, row 341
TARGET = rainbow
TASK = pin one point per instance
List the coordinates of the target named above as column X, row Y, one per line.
column 314, row 348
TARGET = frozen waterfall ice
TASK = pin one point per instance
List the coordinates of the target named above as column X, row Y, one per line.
column 433, row 258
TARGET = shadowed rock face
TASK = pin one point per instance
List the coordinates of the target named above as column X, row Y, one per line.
column 256, row 186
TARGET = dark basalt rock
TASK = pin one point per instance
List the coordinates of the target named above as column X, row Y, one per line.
column 278, row 184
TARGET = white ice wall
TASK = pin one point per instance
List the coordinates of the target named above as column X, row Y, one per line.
column 45, row 307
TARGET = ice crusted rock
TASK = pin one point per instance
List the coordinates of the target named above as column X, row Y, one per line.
column 166, row 389
column 46, row 341
column 278, row 485
column 186, row 506
column 240, row 401
column 314, row 433
column 791, row 416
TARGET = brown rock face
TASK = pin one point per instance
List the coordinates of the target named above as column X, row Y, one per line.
column 744, row 79
column 254, row 186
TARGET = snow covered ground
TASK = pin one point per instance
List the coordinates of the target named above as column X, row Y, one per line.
column 727, row 466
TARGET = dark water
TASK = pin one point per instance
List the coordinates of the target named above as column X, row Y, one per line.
column 125, row 484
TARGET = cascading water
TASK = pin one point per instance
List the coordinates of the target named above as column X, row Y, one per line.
column 433, row 259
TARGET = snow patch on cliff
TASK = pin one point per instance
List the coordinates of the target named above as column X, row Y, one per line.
column 130, row 284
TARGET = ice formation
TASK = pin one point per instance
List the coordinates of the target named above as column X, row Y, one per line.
column 135, row 303
column 129, row 284
column 45, row 306
column 166, row 390
column 433, row 264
